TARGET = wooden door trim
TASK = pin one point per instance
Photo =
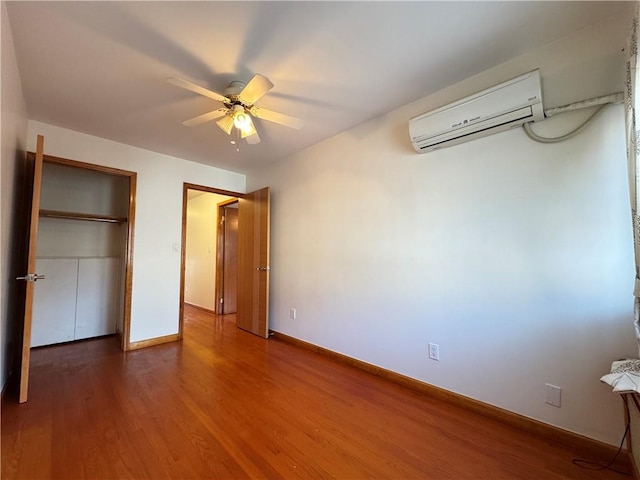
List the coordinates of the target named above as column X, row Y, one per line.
column 220, row 236
column 227, row 202
column 183, row 240
column 87, row 166
column 125, row 338
column 219, row 260
column 128, row 273
column 219, row 191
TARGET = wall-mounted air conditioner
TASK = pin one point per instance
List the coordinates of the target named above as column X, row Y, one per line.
column 493, row 110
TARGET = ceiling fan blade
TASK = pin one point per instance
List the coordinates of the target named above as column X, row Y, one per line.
column 178, row 82
column 207, row 117
column 281, row 118
column 226, row 124
column 253, row 139
column 256, row 88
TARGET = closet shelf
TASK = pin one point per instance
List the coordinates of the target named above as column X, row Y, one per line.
column 91, row 217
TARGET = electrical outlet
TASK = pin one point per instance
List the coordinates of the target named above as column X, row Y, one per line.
column 552, row 394
column 434, row 351
column 292, row 314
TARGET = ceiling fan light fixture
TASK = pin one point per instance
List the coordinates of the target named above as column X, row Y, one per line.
column 241, row 119
column 226, row 124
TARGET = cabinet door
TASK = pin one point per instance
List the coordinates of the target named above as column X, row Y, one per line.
column 54, row 304
column 98, row 296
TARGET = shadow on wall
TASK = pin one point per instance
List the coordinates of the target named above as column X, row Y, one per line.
column 18, row 257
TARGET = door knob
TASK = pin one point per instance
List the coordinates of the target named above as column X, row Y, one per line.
column 31, row 277
column 263, row 269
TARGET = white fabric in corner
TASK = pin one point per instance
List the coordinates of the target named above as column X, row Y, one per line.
column 624, row 376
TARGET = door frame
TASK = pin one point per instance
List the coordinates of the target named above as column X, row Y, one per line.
column 125, row 339
column 220, row 264
column 183, row 241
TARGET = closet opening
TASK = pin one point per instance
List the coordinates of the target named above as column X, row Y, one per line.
column 85, row 251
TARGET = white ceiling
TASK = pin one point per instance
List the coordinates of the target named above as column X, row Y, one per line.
column 100, row 67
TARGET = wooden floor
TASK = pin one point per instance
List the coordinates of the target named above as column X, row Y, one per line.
column 226, row 404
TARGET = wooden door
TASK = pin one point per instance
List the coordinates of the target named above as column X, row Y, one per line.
column 253, row 262
column 230, row 259
column 30, row 275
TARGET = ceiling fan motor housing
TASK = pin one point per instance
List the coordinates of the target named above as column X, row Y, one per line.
column 233, row 90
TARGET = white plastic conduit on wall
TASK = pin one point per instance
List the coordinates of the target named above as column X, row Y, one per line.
column 599, row 101
column 592, row 102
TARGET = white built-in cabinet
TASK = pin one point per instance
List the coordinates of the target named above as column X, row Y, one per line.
column 81, row 252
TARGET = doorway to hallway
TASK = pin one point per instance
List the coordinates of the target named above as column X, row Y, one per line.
column 253, row 229
column 211, row 251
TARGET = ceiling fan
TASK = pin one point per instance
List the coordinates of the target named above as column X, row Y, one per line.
column 239, row 106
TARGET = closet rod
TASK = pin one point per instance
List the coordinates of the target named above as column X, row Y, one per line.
column 91, row 217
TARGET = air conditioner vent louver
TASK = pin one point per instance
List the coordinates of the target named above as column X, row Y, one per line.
column 493, row 110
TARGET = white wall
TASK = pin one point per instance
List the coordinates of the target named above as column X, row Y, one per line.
column 202, row 239
column 158, row 221
column 13, row 123
column 515, row 257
